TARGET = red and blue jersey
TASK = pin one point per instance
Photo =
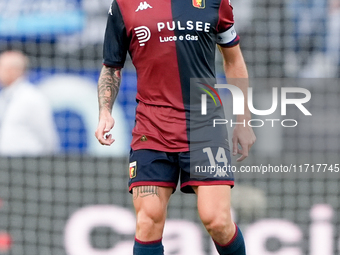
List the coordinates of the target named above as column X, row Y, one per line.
column 170, row 42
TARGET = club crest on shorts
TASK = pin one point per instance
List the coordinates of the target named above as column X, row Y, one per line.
column 133, row 169
column 198, row 4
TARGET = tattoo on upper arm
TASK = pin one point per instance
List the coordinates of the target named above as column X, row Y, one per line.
column 144, row 191
column 108, row 87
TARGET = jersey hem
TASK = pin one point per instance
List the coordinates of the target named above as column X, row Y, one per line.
column 158, row 103
column 158, row 148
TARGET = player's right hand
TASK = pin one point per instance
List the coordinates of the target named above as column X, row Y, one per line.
column 105, row 124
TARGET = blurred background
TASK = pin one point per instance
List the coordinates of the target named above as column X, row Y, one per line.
column 75, row 201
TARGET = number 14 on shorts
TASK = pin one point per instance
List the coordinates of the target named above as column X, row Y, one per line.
column 220, row 156
column 213, row 163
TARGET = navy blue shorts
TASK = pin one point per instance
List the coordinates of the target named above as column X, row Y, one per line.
column 210, row 166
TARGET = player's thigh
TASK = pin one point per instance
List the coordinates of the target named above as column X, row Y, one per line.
column 153, row 168
column 151, row 202
column 153, row 178
column 213, row 203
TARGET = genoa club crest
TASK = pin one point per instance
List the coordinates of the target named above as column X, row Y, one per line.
column 198, row 4
column 133, row 169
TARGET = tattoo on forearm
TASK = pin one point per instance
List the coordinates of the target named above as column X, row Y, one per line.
column 144, row 191
column 108, row 87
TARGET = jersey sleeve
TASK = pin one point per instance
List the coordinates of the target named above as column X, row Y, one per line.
column 116, row 42
column 226, row 33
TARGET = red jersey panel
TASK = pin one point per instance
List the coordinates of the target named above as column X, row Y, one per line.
column 170, row 42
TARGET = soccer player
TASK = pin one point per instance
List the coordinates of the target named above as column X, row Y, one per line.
column 170, row 43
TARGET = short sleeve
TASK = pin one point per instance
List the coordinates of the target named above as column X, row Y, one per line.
column 226, row 33
column 116, row 42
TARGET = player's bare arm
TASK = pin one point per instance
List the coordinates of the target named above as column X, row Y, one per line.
column 108, row 88
column 236, row 73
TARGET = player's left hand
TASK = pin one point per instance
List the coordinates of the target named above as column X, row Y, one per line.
column 245, row 137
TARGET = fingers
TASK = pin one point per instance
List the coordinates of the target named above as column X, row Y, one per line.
column 235, row 146
column 101, row 133
column 244, row 151
column 108, row 140
column 245, row 138
column 105, row 139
